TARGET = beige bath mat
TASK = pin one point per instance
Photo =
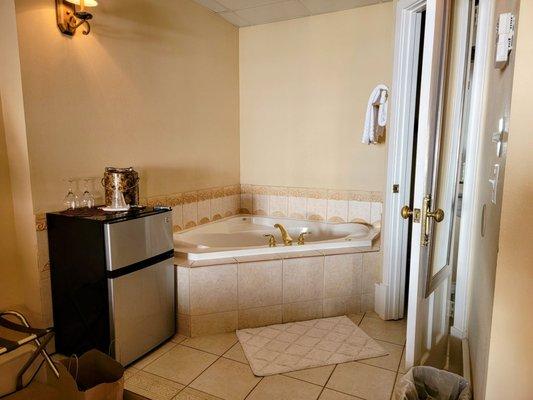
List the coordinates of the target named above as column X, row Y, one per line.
column 276, row 349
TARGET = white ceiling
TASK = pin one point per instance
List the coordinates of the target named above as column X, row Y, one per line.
column 255, row 12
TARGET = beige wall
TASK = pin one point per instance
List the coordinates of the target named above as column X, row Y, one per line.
column 154, row 86
column 14, row 137
column 510, row 369
column 304, row 85
column 10, row 289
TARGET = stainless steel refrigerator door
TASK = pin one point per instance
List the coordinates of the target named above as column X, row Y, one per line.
column 135, row 240
column 141, row 310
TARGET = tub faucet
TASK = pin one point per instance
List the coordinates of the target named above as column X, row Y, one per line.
column 301, row 238
column 287, row 240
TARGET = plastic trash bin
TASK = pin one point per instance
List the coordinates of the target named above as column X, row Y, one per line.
column 428, row 383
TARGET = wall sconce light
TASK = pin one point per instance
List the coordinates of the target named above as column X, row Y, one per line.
column 69, row 19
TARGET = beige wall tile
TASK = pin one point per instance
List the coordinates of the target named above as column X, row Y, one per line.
column 371, row 270
column 353, row 304
column 217, row 208
column 316, row 209
column 246, row 203
column 204, row 211
column 303, row 279
column 278, row 206
column 213, row 289
column 375, row 213
column 46, row 300
column 367, row 302
column 183, row 293
column 335, row 306
column 183, row 323
column 231, row 205
column 209, row 324
column 177, row 217
column 337, row 210
column 260, row 284
column 260, row 204
column 297, row 207
column 359, row 211
column 190, row 215
column 43, row 259
column 341, row 273
column 302, row 311
column 261, row 316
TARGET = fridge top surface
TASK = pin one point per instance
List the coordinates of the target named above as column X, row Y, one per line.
column 96, row 214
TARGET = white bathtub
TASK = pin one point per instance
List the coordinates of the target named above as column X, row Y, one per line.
column 244, row 236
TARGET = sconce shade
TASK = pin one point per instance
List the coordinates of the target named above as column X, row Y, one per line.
column 87, row 3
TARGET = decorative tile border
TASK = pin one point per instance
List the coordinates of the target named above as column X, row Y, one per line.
column 199, row 207
column 314, row 204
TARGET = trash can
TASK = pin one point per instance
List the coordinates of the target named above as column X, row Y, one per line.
column 428, row 383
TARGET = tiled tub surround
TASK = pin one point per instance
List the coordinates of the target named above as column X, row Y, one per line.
column 199, row 207
column 193, row 208
column 245, row 292
column 245, row 236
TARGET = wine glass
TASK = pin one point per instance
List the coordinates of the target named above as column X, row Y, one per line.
column 87, row 199
column 71, row 201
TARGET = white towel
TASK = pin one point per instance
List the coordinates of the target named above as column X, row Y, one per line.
column 376, row 115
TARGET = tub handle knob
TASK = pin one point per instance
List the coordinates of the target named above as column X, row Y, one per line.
column 301, row 238
column 271, row 240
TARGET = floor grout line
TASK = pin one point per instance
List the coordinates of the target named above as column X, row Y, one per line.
column 327, row 380
column 252, row 389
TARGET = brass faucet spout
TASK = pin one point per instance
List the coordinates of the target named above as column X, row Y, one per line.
column 287, row 240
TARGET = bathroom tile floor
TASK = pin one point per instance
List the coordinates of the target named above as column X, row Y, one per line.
column 214, row 367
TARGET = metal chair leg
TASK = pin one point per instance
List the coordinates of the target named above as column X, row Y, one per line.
column 40, row 348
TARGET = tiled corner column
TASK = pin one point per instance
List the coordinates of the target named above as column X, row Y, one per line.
column 246, row 292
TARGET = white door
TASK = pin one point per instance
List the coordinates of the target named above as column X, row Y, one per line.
column 431, row 212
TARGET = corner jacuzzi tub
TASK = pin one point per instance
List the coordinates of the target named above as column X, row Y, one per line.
column 244, row 236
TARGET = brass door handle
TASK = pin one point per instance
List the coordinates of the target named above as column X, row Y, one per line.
column 437, row 215
column 407, row 213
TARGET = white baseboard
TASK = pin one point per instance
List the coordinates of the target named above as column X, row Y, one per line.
column 380, row 300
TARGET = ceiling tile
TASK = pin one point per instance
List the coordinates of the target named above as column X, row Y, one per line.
column 273, row 12
column 212, row 5
column 326, row 6
column 233, row 18
column 242, row 4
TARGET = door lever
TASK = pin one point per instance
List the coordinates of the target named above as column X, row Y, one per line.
column 407, row 213
column 437, row 216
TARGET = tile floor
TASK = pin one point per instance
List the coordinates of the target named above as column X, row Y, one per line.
column 214, row 367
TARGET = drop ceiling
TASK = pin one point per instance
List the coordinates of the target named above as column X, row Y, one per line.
column 254, row 12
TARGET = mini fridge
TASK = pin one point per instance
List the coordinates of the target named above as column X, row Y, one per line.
column 113, row 281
